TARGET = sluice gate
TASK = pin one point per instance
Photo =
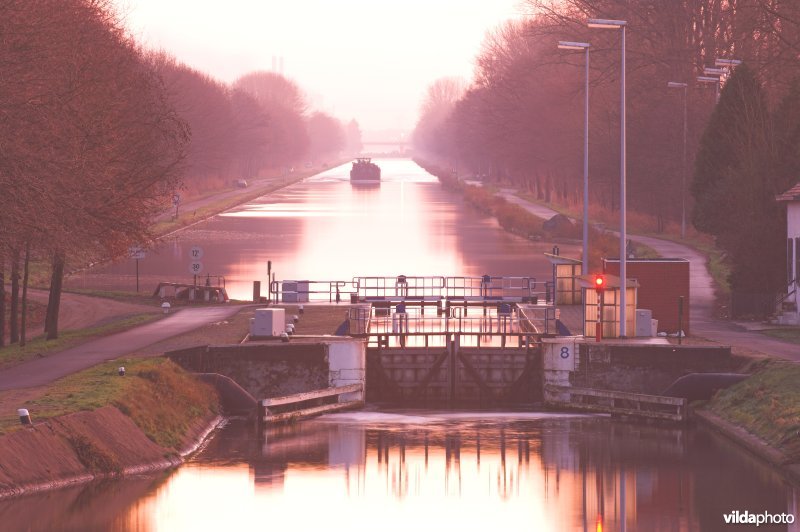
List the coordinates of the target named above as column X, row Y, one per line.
column 480, row 346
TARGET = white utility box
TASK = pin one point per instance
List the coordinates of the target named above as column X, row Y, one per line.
column 644, row 322
column 294, row 291
column 268, row 322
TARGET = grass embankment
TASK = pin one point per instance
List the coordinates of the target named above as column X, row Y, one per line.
column 767, row 405
column 100, row 385
column 160, row 398
column 516, row 220
column 189, row 215
column 40, row 347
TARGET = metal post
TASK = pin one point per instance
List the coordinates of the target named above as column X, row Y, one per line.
column 585, row 265
column 137, row 276
column 680, row 319
column 623, row 237
column 683, row 176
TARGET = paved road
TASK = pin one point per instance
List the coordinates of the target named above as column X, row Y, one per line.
column 701, row 294
column 45, row 370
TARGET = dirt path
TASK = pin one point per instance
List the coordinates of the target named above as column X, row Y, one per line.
column 78, row 311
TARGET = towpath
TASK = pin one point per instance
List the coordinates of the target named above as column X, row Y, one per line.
column 45, row 370
column 701, row 293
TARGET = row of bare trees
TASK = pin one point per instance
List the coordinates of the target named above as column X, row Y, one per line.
column 261, row 122
column 96, row 134
column 521, row 118
column 89, row 144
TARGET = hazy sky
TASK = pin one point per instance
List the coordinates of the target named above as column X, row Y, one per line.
column 365, row 59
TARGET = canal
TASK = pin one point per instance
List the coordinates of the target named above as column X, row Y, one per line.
column 325, row 228
column 404, row 470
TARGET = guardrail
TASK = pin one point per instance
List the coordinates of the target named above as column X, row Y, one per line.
column 413, row 327
column 423, row 289
column 306, row 291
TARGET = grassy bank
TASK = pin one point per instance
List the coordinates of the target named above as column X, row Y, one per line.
column 766, row 405
column 160, row 398
column 147, row 375
column 516, row 220
column 40, row 347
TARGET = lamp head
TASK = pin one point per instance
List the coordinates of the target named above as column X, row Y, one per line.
column 606, row 23
column 569, row 45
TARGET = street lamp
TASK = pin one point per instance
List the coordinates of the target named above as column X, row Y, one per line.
column 679, row 85
column 711, row 79
column 569, row 45
column 620, row 25
column 727, row 62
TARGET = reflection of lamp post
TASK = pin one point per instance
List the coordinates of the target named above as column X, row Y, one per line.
column 678, row 85
column 567, row 45
column 623, row 252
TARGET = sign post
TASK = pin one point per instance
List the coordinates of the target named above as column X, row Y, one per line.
column 136, row 253
column 195, row 266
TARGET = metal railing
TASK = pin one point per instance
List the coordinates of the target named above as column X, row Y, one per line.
column 399, row 287
column 430, row 289
column 306, row 291
column 412, row 327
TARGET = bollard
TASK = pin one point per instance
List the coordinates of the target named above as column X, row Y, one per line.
column 300, row 310
column 165, row 307
column 24, row 416
column 284, row 337
column 121, row 371
column 295, row 318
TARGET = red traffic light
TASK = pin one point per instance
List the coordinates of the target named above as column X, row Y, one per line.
column 599, row 283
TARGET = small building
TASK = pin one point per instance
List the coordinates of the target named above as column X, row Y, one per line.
column 604, row 309
column 565, row 279
column 789, row 311
column 662, row 282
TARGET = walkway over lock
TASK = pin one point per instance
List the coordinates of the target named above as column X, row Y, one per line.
column 428, row 290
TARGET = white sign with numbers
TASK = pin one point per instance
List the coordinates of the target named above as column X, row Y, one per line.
column 559, row 355
column 196, row 253
column 196, row 267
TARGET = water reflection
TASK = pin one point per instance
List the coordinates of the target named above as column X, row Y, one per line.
column 431, row 470
column 324, row 228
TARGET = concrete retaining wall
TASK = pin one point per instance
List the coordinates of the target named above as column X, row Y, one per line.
column 645, row 368
column 277, row 369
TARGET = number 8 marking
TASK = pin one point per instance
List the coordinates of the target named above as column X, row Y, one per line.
column 565, row 352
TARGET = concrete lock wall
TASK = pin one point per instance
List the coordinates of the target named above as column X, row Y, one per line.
column 277, row 369
column 347, row 364
column 645, row 368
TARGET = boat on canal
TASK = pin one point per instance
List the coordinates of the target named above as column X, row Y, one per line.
column 364, row 170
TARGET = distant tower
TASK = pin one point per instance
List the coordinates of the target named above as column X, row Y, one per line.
column 274, row 63
column 280, row 65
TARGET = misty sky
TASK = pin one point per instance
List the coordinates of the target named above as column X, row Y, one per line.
column 365, row 59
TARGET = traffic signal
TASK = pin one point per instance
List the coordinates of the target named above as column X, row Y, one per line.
column 599, row 283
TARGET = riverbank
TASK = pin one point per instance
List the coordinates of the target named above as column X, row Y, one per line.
column 146, row 420
column 762, row 413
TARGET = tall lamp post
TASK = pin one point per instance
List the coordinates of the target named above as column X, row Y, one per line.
column 712, row 79
column 623, row 237
column 679, row 85
column 569, row 45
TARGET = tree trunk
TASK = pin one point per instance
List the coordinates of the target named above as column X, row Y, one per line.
column 13, row 318
column 24, row 321
column 56, row 281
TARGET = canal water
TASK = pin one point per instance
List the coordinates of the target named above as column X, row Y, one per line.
column 327, row 229
column 404, row 470
column 424, row 470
